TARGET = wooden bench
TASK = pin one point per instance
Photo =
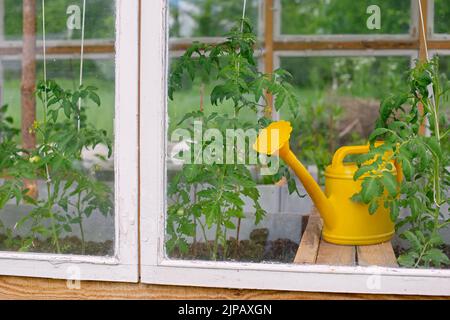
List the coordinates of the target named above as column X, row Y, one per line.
column 314, row 250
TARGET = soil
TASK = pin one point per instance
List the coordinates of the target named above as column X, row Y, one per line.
column 69, row 245
column 256, row 249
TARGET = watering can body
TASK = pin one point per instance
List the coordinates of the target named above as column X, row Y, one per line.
column 346, row 222
column 353, row 225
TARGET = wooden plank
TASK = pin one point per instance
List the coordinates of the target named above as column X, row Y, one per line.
column 34, row 288
column 336, row 255
column 28, row 98
column 309, row 245
column 298, row 45
column 438, row 45
column 61, row 49
column 423, row 38
column 377, row 255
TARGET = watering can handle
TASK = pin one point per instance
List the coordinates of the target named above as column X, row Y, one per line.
column 342, row 153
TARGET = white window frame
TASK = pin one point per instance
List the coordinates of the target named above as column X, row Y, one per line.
column 156, row 268
column 431, row 21
column 123, row 266
column 206, row 39
column 411, row 35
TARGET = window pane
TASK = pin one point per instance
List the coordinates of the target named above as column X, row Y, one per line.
column 58, row 196
column 222, row 205
column 441, row 16
column 341, row 98
column 206, row 18
column 60, row 14
column 325, row 17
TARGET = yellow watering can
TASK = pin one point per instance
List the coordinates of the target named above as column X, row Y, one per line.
column 345, row 221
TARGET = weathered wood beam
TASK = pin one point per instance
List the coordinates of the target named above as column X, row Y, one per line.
column 29, row 288
column 346, row 45
column 269, row 49
column 28, row 74
column 12, row 50
column 297, row 45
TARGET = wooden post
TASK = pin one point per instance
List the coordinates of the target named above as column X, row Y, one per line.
column 29, row 84
column 423, row 38
column 423, row 42
column 268, row 49
column 28, row 73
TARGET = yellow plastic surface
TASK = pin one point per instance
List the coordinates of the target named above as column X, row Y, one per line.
column 345, row 222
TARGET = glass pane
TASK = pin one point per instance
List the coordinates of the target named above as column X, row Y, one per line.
column 441, row 16
column 223, row 204
column 64, row 19
column 341, row 98
column 327, row 17
column 207, row 18
column 58, row 195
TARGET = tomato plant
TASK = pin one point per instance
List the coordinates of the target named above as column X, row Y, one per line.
column 7, row 129
column 424, row 159
column 218, row 189
column 71, row 192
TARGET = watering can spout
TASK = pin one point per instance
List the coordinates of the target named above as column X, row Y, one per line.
column 275, row 139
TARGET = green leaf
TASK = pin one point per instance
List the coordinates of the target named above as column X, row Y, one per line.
column 433, row 144
column 373, row 206
column 363, row 170
column 395, row 210
column 357, row 197
column 371, row 188
column 390, row 183
column 95, row 98
column 407, row 260
column 436, row 257
column 378, row 132
column 229, row 225
column 67, row 106
column 407, row 168
column 188, row 229
column 413, row 240
column 279, row 100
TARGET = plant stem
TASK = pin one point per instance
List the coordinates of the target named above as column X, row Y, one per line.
column 52, row 218
column 202, row 226
column 216, row 243
column 80, row 223
column 225, row 245
column 219, row 222
column 434, row 107
column 238, row 231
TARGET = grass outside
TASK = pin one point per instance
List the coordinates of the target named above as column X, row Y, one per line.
column 101, row 117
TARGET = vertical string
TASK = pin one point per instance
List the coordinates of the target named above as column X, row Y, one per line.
column 243, row 15
column 81, row 62
column 430, row 87
column 242, row 28
column 44, row 49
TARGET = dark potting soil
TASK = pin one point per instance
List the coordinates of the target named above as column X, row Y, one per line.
column 69, row 245
column 256, row 249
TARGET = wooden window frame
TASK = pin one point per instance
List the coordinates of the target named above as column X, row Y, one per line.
column 157, row 268
column 123, row 266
